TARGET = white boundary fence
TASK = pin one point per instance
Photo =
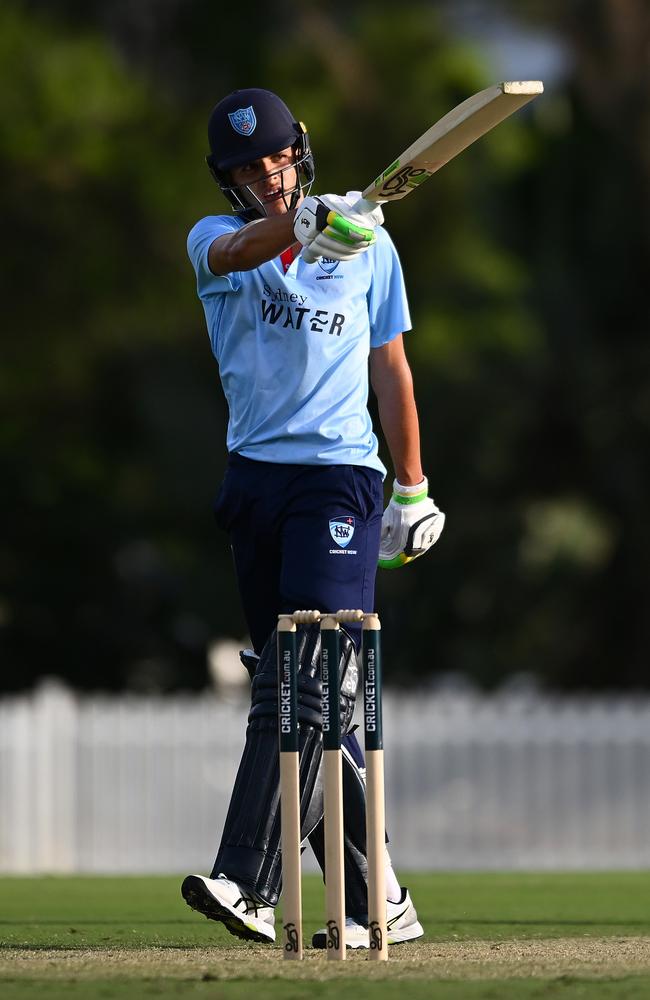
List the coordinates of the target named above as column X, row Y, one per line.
column 126, row 784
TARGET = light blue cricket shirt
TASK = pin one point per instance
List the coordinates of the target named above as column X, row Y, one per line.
column 293, row 348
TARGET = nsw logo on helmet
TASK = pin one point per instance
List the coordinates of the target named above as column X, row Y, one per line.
column 243, row 120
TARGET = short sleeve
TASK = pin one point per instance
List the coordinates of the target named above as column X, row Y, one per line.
column 388, row 309
column 199, row 241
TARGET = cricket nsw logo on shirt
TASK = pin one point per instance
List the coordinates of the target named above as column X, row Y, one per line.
column 342, row 530
column 328, row 265
column 243, row 120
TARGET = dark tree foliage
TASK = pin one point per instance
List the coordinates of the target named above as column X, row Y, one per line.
column 525, row 262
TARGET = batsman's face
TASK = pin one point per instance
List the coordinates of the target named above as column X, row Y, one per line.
column 272, row 179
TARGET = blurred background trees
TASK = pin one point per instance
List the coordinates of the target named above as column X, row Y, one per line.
column 526, row 265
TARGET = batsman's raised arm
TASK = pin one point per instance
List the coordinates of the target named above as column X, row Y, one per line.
column 328, row 226
column 252, row 245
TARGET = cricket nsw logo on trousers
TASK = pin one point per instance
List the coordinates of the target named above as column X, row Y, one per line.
column 342, row 531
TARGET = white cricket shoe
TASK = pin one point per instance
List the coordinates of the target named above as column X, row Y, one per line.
column 402, row 925
column 244, row 914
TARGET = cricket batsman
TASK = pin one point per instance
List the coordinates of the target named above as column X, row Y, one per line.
column 296, row 341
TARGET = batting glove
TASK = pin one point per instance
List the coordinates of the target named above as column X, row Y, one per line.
column 411, row 524
column 323, row 246
column 331, row 226
column 354, row 207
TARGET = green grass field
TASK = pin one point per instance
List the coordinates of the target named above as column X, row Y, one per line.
column 488, row 937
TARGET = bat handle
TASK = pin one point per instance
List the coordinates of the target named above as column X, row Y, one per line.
column 364, row 205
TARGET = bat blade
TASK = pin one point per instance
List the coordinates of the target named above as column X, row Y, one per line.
column 449, row 137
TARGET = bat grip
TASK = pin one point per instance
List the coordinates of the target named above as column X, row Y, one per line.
column 364, row 205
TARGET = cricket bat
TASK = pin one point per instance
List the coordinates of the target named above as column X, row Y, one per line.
column 443, row 141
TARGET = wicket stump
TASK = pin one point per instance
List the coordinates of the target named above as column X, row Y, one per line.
column 292, row 943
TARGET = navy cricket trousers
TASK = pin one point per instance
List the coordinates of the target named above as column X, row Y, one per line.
column 302, row 536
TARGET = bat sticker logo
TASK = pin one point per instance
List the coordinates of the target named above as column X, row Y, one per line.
column 243, row 120
column 404, row 180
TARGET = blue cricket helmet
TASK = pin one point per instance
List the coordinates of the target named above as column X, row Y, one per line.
column 247, row 125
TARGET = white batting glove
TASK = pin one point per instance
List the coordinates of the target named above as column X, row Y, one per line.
column 353, row 207
column 323, row 246
column 411, row 524
column 331, row 226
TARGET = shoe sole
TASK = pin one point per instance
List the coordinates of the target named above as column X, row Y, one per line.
column 401, row 936
column 196, row 895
